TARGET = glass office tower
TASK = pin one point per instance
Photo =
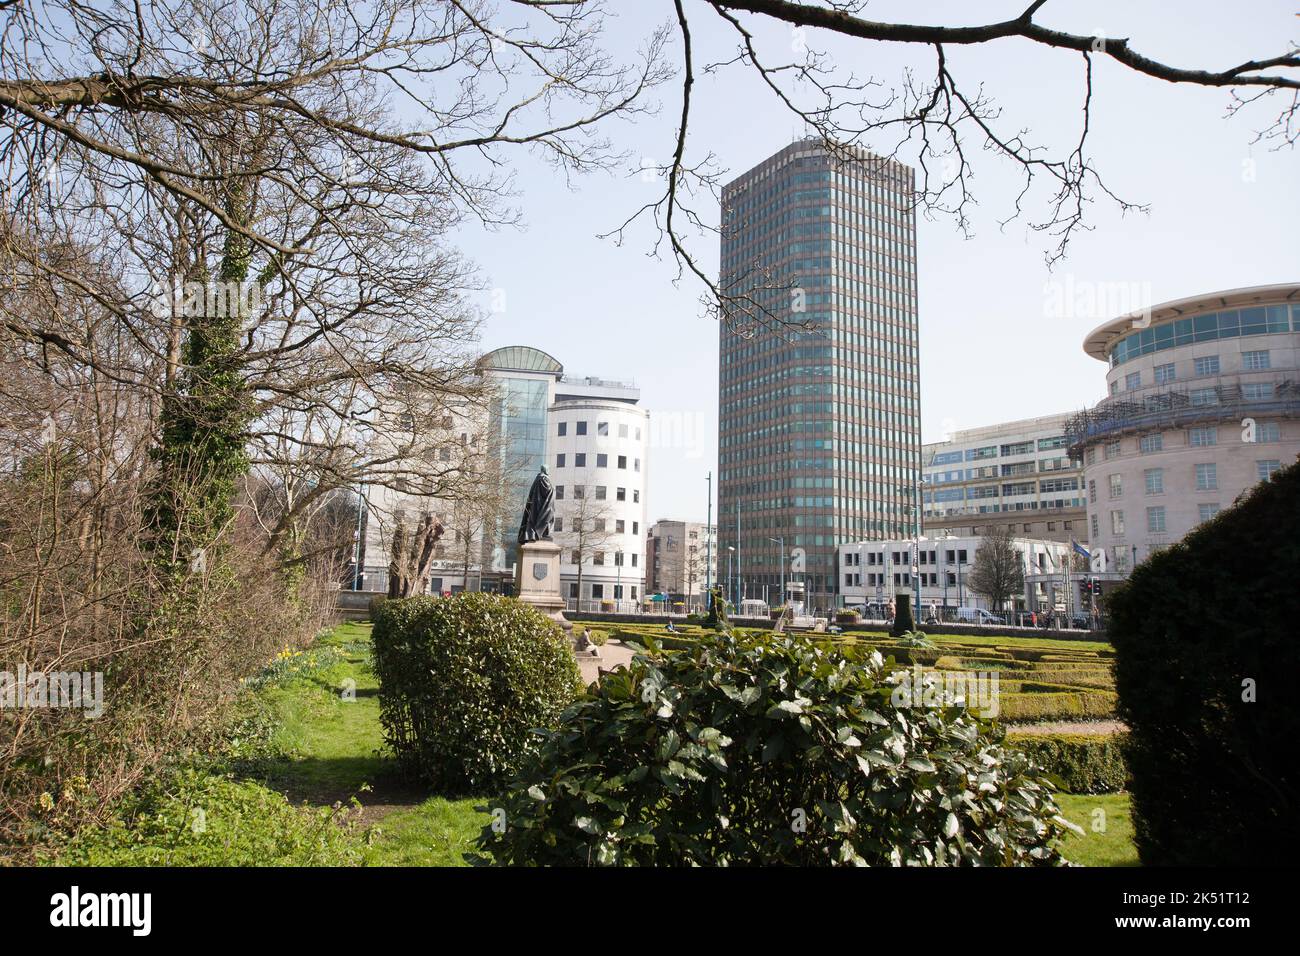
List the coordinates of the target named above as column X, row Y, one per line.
column 818, row 386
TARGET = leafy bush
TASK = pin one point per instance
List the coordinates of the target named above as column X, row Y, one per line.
column 1081, row 763
column 770, row 749
column 1199, row 630
column 464, row 682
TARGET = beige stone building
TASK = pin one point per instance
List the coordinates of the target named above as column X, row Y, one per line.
column 678, row 560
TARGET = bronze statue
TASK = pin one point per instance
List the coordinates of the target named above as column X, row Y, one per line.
column 539, row 510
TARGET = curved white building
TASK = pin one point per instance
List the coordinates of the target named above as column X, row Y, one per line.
column 1204, row 401
column 598, row 437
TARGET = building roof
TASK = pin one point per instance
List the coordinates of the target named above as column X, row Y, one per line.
column 1099, row 340
column 522, row 358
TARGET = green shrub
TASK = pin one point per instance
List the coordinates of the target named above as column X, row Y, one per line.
column 464, row 682
column 770, row 749
column 1080, row 763
column 1206, row 664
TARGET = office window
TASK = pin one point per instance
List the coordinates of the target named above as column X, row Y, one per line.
column 619, row 525
column 1133, row 380
column 1201, row 437
column 1207, row 511
column 621, row 494
column 579, row 492
column 1092, row 456
column 559, row 523
column 1268, row 431
column 1205, row 396
column 602, row 428
column 1069, row 526
column 1255, row 361
column 1267, row 469
column 559, row 461
column 1114, row 387
column 598, row 590
column 602, row 461
column 1165, row 374
column 581, row 429
column 577, row 557
column 580, row 460
column 636, row 495
column 1092, row 490
column 1155, row 481
column 1206, row 365
column 559, row 492
column 1207, row 477
column 622, row 462
column 1156, row 519
column 634, row 565
column 635, row 526
column 636, row 462
column 1096, row 528
column 1112, row 450
column 1117, row 486
column 600, row 492
column 597, row 558
column 563, row 428
column 1117, row 522
column 1151, row 443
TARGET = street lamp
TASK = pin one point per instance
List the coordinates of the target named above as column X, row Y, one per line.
column 781, row 542
column 730, row 552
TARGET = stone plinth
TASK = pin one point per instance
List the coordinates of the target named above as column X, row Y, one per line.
column 537, row 580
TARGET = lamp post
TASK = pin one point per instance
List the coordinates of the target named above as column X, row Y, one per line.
column 356, row 548
column 781, row 542
column 708, row 532
column 730, row 552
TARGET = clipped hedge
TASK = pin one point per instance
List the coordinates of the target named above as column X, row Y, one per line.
column 1206, row 667
column 1079, row 763
column 771, row 749
column 464, row 682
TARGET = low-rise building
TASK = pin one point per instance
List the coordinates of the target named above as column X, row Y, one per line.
column 681, row 560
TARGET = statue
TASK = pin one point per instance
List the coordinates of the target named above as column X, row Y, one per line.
column 539, row 510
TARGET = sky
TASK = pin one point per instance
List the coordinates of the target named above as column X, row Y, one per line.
column 994, row 343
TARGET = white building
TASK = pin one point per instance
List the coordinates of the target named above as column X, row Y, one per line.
column 598, row 436
column 1203, row 402
column 1018, row 473
column 875, row 571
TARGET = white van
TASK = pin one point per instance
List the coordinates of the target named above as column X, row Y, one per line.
column 977, row 615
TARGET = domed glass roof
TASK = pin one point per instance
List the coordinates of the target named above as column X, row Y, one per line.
column 522, row 358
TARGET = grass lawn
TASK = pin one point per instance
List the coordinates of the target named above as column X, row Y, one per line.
column 1108, row 836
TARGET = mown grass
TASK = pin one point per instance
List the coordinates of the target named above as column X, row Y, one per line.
column 1107, row 824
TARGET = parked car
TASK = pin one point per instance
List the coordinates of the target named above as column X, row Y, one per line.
column 977, row 615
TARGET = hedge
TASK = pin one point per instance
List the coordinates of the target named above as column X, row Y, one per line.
column 1207, row 660
column 1079, row 763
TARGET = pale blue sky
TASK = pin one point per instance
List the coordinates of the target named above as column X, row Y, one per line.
column 1223, row 215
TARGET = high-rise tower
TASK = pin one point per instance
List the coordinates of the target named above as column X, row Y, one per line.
column 819, row 410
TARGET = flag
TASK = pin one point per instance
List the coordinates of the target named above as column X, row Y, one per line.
column 1080, row 549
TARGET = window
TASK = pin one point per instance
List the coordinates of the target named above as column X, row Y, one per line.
column 636, row 495
column 1156, row 520
column 1096, row 528
column 618, row 559
column 1092, row 490
column 597, row 558
column 634, row 565
column 600, row 492
column 1206, row 365
column 1112, row 450
column 1201, row 437
column 618, row 526
column 637, row 464
column 1117, row 522
column 559, row 461
column 622, row 431
column 598, row 590
column 602, row 428
column 621, row 494
column 1255, row 361
column 1117, row 486
column 1165, row 374
column 1207, row 477
column 1114, row 387
column 1069, row 526
column 1257, row 391
column 1205, row 396
column 1268, row 431
column 1132, row 381
column 581, row 429
column 577, row 557
column 573, row 589
column 563, row 428
column 602, row 461
column 1151, row 443
column 1092, row 456
column 622, row 462
column 1051, row 526
column 559, row 522
column 580, row 460
column 636, row 527
column 1267, row 469
column 559, row 492
column 579, row 492
column 1207, row 511
column 1155, row 481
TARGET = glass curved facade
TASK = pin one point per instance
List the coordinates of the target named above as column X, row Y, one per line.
column 1228, row 324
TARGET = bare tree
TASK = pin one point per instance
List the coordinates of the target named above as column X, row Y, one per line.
column 588, row 528
column 998, row 572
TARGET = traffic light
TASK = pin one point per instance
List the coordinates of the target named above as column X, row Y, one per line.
column 1096, row 588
